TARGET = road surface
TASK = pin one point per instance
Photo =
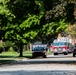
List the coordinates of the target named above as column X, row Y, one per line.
column 38, row 69
column 61, row 58
column 41, row 68
column 51, row 59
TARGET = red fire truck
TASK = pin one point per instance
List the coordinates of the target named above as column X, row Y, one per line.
column 62, row 45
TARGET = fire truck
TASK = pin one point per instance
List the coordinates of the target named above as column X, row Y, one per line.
column 62, row 45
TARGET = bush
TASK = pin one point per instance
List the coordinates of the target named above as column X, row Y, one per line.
column 7, row 45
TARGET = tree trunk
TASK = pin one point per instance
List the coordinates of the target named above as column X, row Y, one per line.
column 30, row 47
column 21, row 50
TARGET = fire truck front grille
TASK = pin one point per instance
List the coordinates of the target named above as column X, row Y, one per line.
column 60, row 48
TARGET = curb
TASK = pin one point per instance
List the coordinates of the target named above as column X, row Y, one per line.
column 44, row 62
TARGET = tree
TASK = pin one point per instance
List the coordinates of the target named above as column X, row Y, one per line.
column 5, row 16
column 23, row 27
column 72, row 30
column 61, row 9
column 25, row 21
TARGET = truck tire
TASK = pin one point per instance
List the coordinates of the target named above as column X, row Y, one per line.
column 55, row 53
column 73, row 54
column 65, row 53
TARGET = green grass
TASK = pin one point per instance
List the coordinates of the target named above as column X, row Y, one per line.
column 9, row 54
column 49, row 52
column 27, row 54
column 8, row 57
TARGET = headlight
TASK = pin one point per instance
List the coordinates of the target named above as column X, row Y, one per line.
column 55, row 50
column 64, row 49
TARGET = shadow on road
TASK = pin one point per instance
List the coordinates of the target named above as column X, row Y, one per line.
column 53, row 72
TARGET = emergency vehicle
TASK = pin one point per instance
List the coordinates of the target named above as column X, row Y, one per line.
column 62, row 45
column 39, row 49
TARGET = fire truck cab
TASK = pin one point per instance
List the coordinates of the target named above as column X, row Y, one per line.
column 62, row 45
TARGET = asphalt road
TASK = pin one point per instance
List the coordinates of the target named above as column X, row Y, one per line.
column 70, row 55
column 38, row 69
column 41, row 66
column 49, row 59
column 61, row 58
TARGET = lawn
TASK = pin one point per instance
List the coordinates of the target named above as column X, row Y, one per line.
column 15, row 54
column 8, row 57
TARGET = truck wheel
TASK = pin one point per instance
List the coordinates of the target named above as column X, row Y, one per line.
column 73, row 54
column 55, row 53
column 65, row 53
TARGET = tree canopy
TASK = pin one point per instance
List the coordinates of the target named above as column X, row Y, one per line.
column 25, row 21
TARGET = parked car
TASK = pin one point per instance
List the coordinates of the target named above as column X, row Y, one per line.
column 74, row 50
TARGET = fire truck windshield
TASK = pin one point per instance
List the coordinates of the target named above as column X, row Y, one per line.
column 59, row 44
column 56, row 44
column 62, row 43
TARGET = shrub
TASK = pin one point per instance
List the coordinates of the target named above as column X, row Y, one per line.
column 7, row 45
